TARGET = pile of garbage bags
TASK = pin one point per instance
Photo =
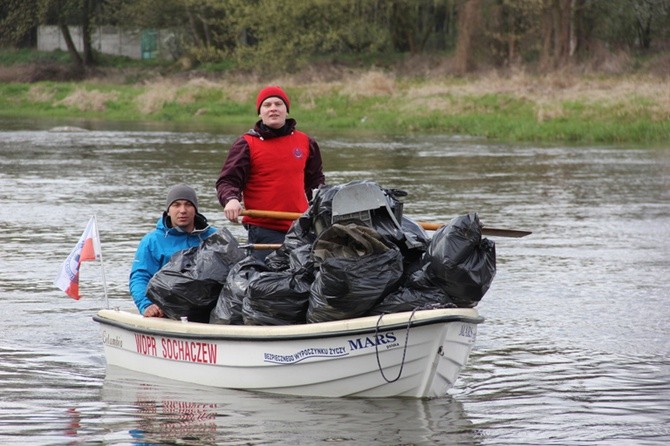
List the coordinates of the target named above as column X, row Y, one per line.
column 347, row 256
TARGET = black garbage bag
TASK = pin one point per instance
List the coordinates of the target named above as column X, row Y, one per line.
column 228, row 309
column 417, row 293
column 301, row 259
column 460, row 262
column 190, row 283
column 355, row 269
column 414, row 232
column 384, row 219
column 321, row 208
column 417, row 244
column 276, row 298
column 299, row 235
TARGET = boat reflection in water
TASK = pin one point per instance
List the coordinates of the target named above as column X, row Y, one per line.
column 167, row 411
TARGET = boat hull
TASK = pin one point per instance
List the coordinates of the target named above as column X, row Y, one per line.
column 416, row 354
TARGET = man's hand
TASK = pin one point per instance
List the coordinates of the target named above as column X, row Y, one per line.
column 233, row 210
column 153, row 310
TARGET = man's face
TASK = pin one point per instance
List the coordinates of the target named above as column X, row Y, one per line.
column 273, row 112
column 182, row 214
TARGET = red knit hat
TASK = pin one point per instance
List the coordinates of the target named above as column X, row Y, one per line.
column 271, row 91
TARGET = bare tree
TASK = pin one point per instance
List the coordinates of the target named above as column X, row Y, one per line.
column 469, row 23
column 559, row 33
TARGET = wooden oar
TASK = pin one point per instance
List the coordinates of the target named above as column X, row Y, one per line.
column 516, row 233
column 261, row 246
column 428, row 226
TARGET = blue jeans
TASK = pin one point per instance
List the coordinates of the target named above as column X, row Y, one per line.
column 264, row 235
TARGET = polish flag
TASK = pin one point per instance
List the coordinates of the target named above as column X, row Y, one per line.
column 88, row 248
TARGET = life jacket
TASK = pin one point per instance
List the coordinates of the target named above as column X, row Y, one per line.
column 277, row 179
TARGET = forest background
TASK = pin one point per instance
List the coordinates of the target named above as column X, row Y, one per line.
column 517, row 70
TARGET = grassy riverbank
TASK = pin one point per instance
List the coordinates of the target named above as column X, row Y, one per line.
column 515, row 107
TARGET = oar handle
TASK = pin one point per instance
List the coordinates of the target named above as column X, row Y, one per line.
column 277, row 215
column 261, row 246
column 428, row 226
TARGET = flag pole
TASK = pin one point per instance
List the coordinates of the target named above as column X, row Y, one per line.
column 102, row 264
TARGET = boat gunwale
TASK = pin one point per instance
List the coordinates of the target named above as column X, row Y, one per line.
column 177, row 329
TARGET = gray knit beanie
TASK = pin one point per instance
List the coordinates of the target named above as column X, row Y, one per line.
column 181, row 192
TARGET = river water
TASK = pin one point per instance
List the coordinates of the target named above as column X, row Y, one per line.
column 575, row 349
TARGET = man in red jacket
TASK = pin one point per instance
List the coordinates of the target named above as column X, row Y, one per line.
column 271, row 167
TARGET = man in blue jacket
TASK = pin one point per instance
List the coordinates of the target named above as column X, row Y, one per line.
column 181, row 227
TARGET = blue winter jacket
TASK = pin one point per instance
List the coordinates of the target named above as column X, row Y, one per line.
column 155, row 250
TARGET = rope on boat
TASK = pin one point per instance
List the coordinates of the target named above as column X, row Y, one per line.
column 404, row 350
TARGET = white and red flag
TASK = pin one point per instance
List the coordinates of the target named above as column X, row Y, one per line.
column 88, row 248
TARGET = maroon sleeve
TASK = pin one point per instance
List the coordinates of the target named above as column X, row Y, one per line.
column 313, row 169
column 234, row 173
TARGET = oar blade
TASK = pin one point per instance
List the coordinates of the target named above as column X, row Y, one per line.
column 496, row 232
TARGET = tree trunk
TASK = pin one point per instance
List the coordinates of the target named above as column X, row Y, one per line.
column 547, row 37
column 468, row 25
column 558, row 40
column 572, row 49
column 584, row 25
column 512, row 38
column 205, row 31
column 564, row 31
column 71, row 48
column 644, row 32
column 197, row 39
column 86, row 33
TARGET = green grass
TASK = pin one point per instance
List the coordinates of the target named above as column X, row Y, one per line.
column 26, row 56
column 503, row 116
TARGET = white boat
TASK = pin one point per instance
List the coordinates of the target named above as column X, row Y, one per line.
column 412, row 354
